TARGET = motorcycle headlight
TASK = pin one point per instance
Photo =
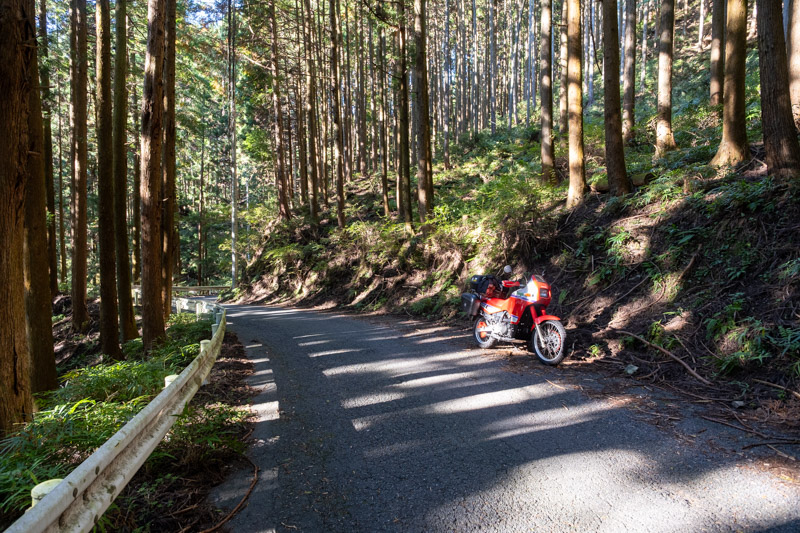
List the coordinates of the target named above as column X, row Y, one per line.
column 544, row 293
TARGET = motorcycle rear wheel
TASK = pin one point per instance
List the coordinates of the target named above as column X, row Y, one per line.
column 555, row 337
column 483, row 339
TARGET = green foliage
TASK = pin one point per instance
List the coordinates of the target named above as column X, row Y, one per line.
column 91, row 405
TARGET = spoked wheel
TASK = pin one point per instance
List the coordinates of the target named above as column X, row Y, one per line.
column 550, row 348
column 482, row 333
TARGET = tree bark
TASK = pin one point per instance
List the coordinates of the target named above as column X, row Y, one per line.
column 401, row 78
column 136, row 196
column 310, row 110
column 577, row 173
column 78, row 82
column 38, row 302
column 548, row 155
column 717, row 51
column 15, row 393
column 665, row 141
column 127, row 319
column 338, row 134
column 793, row 46
column 150, row 184
column 618, row 181
column 384, row 130
column 169, row 246
column 52, row 245
column 492, row 73
column 629, row 76
column 424, row 167
column 280, row 167
column 109, row 325
column 734, row 148
column 563, row 121
column 780, row 134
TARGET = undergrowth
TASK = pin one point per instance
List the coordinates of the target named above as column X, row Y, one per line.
column 696, row 258
column 93, row 403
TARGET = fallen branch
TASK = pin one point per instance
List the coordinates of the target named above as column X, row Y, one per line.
column 670, row 354
column 778, row 442
column 241, row 503
column 795, row 393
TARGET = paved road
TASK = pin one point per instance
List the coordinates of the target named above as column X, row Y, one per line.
column 367, row 427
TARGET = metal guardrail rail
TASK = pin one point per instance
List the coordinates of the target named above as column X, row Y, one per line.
column 80, row 499
column 192, row 289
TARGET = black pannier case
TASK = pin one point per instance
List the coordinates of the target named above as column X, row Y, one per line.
column 470, row 304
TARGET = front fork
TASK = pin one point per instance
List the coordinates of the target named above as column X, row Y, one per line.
column 540, row 334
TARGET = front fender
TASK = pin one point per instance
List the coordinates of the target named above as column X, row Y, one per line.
column 544, row 318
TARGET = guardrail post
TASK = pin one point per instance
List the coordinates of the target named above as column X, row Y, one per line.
column 136, row 298
column 43, row 489
column 169, row 379
column 178, row 306
column 214, row 328
column 218, row 317
column 205, row 346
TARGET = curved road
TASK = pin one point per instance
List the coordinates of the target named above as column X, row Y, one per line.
column 366, row 425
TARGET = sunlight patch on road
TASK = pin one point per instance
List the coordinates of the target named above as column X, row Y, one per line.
column 332, row 352
column 490, row 400
column 313, row 343
column 555, row 418
column 372, row 399
column 401, row 366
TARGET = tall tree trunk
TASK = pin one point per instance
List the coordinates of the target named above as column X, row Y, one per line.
column 563, row 121
column 645, row 20
column 577, row 173
column 127, row 320
column 136, row 196
column 52, row 245
column 169, row 246
column 701, row 25
column 311, row 115
column 492, row 72
column 401, row 78
column 618, row 181
column 384, row 130
column 109, row 325
column 78, row 82
column 780, row 135
column 548, row 156
column 15, row 392
column 424, row 167
column 150, row 185
column 734, row 148
column 38, row 302
column 664, row 138
column 446, row 86
column 201, row 209
column 717, row 51
column 629, row 76
column 338, row 134
column 62, row 241
column 475, row 71
column 793, row 46
column 232, row 136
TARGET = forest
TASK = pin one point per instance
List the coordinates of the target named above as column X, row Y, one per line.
column 643, row 155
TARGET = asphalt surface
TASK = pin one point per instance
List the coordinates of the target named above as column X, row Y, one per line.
column 367, row 425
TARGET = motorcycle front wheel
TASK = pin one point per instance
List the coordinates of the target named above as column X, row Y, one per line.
column 549, row 349
column 481, row 334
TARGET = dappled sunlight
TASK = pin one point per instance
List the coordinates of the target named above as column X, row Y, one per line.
column 373, row 399
column 489, row 400
column 332, row 352
column 549, row 419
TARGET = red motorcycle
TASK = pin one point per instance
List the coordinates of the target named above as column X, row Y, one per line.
column 512, row 310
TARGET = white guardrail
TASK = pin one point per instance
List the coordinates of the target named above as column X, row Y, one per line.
column 79, row 500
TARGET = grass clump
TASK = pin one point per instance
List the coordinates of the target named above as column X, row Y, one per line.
column 91, row 405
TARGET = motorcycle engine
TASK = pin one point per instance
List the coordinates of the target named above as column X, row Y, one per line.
column 501, row 324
